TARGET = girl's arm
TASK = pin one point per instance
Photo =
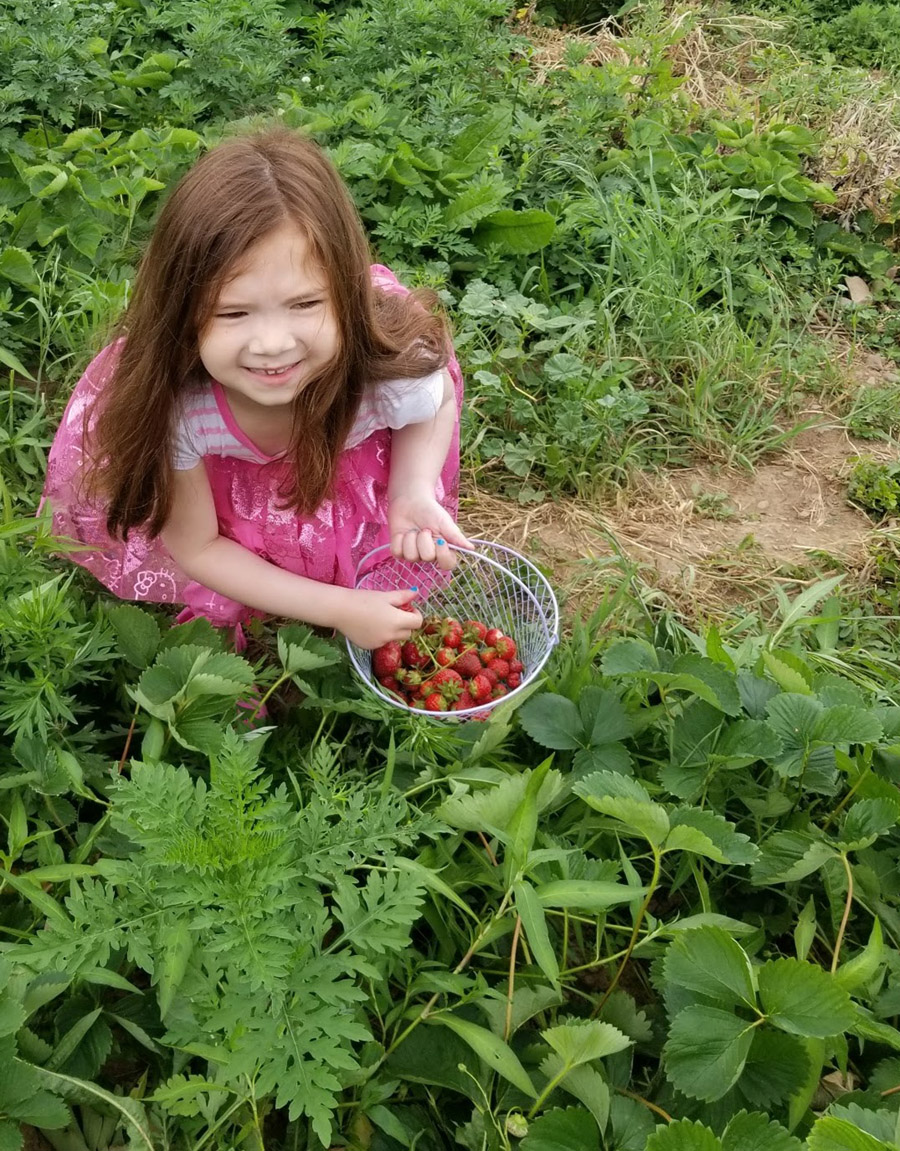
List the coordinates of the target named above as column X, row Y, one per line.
column 191, row 535
column 418, row 454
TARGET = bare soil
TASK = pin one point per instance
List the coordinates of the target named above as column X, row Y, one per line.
column 709, row 538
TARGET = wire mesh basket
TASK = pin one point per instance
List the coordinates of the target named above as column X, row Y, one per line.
column 490, row 583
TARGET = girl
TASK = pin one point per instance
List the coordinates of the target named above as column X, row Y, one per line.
column 272, row 409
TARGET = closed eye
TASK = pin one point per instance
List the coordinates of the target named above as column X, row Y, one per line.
column 306, row 304
column 229, row 315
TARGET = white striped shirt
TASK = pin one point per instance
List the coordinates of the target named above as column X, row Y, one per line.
column 207, row 427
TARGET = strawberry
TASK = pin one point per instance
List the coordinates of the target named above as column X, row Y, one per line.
column 390, row 682
column 513, row 679
column 386, row 659
column 468, row 664
column 445, row 656
column 505, row 647
column 480, row 687
column 491, row 676
column 500, row 668
column 516, row 666
column 410, row 678
column 464, row 702
column 446, row 682
column 487, row 654
column 492, row 635
column 413, row 655
column 434, row 702
column 453, row 636
column 499, row 690
column 474, row 630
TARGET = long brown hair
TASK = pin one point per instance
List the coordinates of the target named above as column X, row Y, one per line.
column 234, row 196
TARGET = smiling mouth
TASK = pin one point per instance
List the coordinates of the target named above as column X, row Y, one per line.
column 271, row 373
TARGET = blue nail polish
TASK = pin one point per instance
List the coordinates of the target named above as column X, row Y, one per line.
column 439, row 542
column 414, row 589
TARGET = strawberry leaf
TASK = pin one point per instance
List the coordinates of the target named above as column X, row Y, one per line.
column 706, row 1051
column 626, row 800
column 802, row 999
column 708, row 960
column 706, row 833
column 788, row 856
column 830, row 1134
column 751, row 1131
column 683, row 1135
column 584, row 1041
column 776, row 1068
column 562, row 1130
column 553, row 721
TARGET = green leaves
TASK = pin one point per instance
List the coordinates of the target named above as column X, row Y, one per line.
column 137, row 633
column 492, row 808
column 831, row 1134
column 529, row 907
column 583, row 1042
column 301, row 651
column 590, row 895
column 595, row 727
column 562, row 1130
column 747, row 1131
column 187, row 687
column 708, row 834
column 626, row 800
column 802, row 999
column 491, row 1049
column 754, row 1131
column 683, row 1135
column 516, row 232
column 693, row 674
column 710, row 962
column 685, row 829
column 706, row 1051
column 720, row 1002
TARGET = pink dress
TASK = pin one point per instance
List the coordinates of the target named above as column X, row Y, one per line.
column 324, row 546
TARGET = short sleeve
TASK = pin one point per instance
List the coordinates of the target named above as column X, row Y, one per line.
column 397, row 403
column 185, row 452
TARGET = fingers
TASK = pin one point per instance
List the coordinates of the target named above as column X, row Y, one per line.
column 411, row 619
column 413, row 544
column 445, row 556
column 428, row 546
column 402, row 596
column 453, row 535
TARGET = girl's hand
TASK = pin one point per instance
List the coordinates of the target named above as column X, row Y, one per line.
column 421, row 530
column 372, row 618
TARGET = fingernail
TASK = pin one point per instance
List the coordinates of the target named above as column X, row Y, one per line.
column 439, row 542
column 414, row 588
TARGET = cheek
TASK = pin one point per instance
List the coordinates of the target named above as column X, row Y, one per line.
column 215, row 345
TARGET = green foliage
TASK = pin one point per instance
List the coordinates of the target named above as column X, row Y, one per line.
column 875, row 486
column 866, row 33
column 221, row 899
column 875, row 413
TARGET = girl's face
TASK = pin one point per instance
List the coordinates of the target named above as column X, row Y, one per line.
column 273, row 326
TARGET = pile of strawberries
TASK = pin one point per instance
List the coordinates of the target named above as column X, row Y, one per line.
column 449, row 666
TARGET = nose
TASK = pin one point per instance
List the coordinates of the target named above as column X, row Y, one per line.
column 270, row 337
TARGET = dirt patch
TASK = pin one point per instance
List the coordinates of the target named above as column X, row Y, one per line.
column 709, row 538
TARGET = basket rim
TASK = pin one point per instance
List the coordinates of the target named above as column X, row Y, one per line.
column 551, row 626
column 533, row 570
